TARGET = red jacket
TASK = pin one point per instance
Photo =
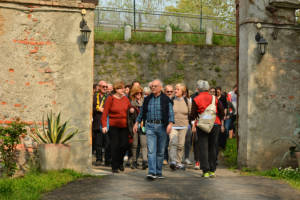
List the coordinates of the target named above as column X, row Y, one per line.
column 203, row 100
column 116, row 109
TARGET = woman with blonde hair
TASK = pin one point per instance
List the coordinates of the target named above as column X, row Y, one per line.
column 136, row 99
column 182, row 108
column 116, row 107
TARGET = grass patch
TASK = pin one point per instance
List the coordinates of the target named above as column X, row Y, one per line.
column 147, row 37
column 291, row 176
column 33, row 184
column 230, row 154
column 159, row 37
column 222, row 40
column 109, row 36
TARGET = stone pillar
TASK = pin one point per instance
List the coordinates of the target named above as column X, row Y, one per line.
column 168, row 34
column 127, row 33
column 209, row 35
column 186, row 27
column 46, row 69
column 268, row 84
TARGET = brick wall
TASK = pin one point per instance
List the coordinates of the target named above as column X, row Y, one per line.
column 44, row 67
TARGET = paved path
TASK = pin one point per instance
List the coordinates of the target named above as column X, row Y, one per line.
column 178, row 185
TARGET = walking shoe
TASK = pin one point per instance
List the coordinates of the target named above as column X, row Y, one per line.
column 187, row 161
column 98, row 163
column 121, row 168
column 144, row 165
column 212, row 174
column 151, row 177
column 125, row 158
column 197, row 166
column 173, row 166
column 160, row 176
column 165, row 162
column 133, row 165
column 180, row 167
column 205, row 175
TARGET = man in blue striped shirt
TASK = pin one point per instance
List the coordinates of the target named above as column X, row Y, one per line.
column 158, row 115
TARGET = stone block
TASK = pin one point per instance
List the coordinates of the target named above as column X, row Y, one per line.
column 127, row 33
column 168, row 35
column 209, row 35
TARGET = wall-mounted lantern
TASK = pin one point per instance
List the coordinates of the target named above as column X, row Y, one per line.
column 262, row 43
column 84, row 29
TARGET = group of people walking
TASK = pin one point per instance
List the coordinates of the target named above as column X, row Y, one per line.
column 161, row 125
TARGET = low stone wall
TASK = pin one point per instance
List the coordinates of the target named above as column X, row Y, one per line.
column 170, row 63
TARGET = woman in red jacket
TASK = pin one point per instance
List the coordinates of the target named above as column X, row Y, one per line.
column 116, row 107
column 206, row 143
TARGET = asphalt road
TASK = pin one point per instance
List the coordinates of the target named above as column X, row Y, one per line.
column 188, row 184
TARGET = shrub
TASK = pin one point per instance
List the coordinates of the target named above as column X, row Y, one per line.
column 230, row 154
column 55, row 133
column 9, row 138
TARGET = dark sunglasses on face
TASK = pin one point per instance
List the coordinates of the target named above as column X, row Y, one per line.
column 105, row 87
column 169, row 92
column 138, row 93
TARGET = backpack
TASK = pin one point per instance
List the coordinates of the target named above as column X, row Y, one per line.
column 206, row 120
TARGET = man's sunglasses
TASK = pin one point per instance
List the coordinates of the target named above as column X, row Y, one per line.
column 169, row 92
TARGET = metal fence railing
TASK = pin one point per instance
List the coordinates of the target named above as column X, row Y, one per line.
column 116, row 18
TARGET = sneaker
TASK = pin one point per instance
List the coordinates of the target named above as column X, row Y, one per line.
column 133, row 165
column 121, row 168
column 205, row 175
column 151, row 177
column 187, row 161
column 212, row 174
column 173, row 166
column 165, row 162
column 98, row 163
column 180, row 167
column 160, row 176
column 197, row 166
column 125, row 158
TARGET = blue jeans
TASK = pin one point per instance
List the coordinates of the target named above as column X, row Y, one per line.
column 156, row 141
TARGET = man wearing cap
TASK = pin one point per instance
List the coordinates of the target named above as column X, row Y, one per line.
column 158, row 115
column 207, row 142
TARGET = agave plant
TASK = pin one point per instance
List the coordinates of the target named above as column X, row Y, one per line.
column 294, row 140
column 55, row 132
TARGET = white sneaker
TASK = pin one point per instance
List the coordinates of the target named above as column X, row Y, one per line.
column 187, row 161
column 125, row 158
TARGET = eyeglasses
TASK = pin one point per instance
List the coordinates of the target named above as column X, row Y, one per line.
column 103, row 86
column 169, row 92
column 138, row 93
column 121, row 88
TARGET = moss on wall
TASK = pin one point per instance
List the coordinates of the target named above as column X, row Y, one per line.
column 171, row 63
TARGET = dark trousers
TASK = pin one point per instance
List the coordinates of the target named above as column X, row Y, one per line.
column 166, row 154
column 119, row 144
column 188, row 143
column 102, row 141
column 206, row 145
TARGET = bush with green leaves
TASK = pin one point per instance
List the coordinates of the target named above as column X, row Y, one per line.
column 56, row 132
column 9, row 139
column 230, row 153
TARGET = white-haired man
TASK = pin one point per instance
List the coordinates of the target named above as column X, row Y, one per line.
column 206, row 142
column 158, row 115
